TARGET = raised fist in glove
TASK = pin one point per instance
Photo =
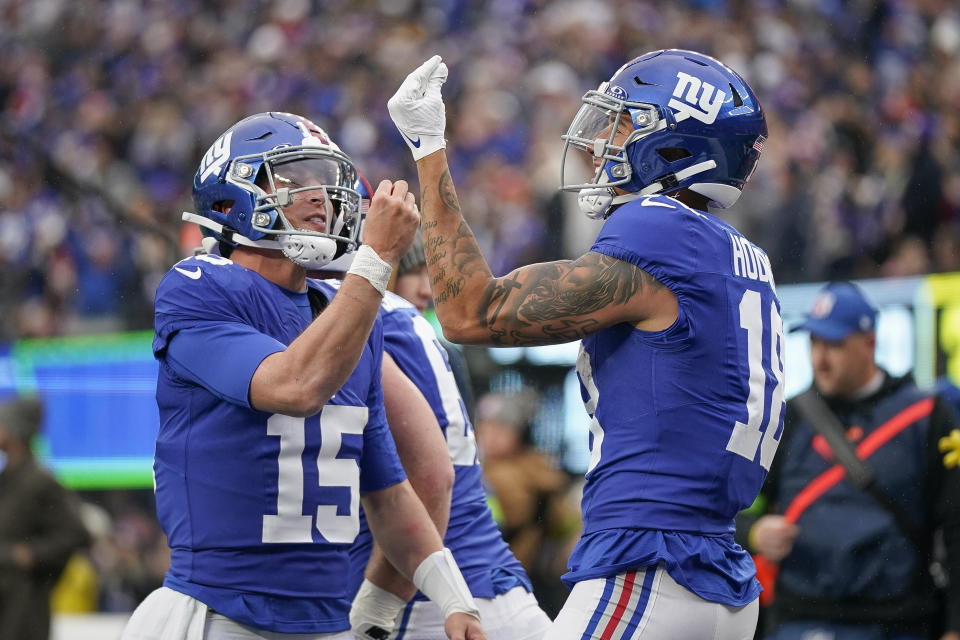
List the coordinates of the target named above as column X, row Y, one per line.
column 417, row 108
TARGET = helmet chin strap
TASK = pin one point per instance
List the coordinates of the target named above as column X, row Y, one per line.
column 671, row 179
column 209, row 243
column 307, row 251
column 596, row 202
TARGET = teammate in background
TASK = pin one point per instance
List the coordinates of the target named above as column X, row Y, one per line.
column 272, row 428
column 423, row 406
column 413, row 285
column 848, row 568
column 681, row 361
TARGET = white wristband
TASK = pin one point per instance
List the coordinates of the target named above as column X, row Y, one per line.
column 374, row 608
column 439, row 578
column 368, row 265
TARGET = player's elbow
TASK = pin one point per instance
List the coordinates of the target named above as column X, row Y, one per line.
column 280, row 385
column 305, row 409
column 299, row 407
column 464, row 331
column 432, row 479
column 290, row 400
column 310, row 399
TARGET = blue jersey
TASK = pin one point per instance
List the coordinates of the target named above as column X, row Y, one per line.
column 259, row 509
column 685, row 421
column 473, row 538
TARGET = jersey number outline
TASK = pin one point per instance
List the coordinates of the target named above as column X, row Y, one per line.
column 748, row 437
column 290, row 525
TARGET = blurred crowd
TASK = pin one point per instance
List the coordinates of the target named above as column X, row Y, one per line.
column 126, row 559
column 107, row 105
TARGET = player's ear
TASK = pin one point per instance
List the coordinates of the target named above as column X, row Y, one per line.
column 223, row 206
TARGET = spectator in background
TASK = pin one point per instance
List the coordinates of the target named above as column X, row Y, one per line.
column 950, row 392
column 40, row 526
column 535, row 501
column 854, row 563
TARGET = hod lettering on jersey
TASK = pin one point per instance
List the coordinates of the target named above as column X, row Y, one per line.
column 749, row 261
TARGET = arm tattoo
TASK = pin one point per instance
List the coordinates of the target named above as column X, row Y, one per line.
column 496, row 294
column 447, row 192
column 465, row 259
column 559, row 297
column 466, row 255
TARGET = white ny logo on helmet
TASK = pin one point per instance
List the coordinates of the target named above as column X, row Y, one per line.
column 217, row 154
column 710, row 99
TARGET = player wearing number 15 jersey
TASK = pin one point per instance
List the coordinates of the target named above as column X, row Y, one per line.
column 681, row 360
column 272, row 427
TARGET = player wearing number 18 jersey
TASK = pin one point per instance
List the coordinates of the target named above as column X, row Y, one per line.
column 681, row 361
column 685, row 421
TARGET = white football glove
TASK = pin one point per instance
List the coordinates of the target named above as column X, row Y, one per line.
column 417, row 108
column 374, row 612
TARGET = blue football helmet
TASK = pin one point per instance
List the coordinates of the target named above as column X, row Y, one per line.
column 269, row 161
column 686, row 121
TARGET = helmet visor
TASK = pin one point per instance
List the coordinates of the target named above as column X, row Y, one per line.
column 298, row 173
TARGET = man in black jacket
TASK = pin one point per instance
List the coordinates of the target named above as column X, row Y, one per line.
column 855, row 563
column 39, row 526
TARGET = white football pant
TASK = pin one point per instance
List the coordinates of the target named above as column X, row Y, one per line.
column 648, row 605
column 170, row 615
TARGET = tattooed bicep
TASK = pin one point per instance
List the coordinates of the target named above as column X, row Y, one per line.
column 562, row 298
column 611, row 280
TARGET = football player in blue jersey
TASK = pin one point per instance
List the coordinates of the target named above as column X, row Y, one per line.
column 421, row 395
column 272, row 428
column 681, row 364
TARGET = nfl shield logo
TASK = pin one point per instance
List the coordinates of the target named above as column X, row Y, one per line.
column 823, row 305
